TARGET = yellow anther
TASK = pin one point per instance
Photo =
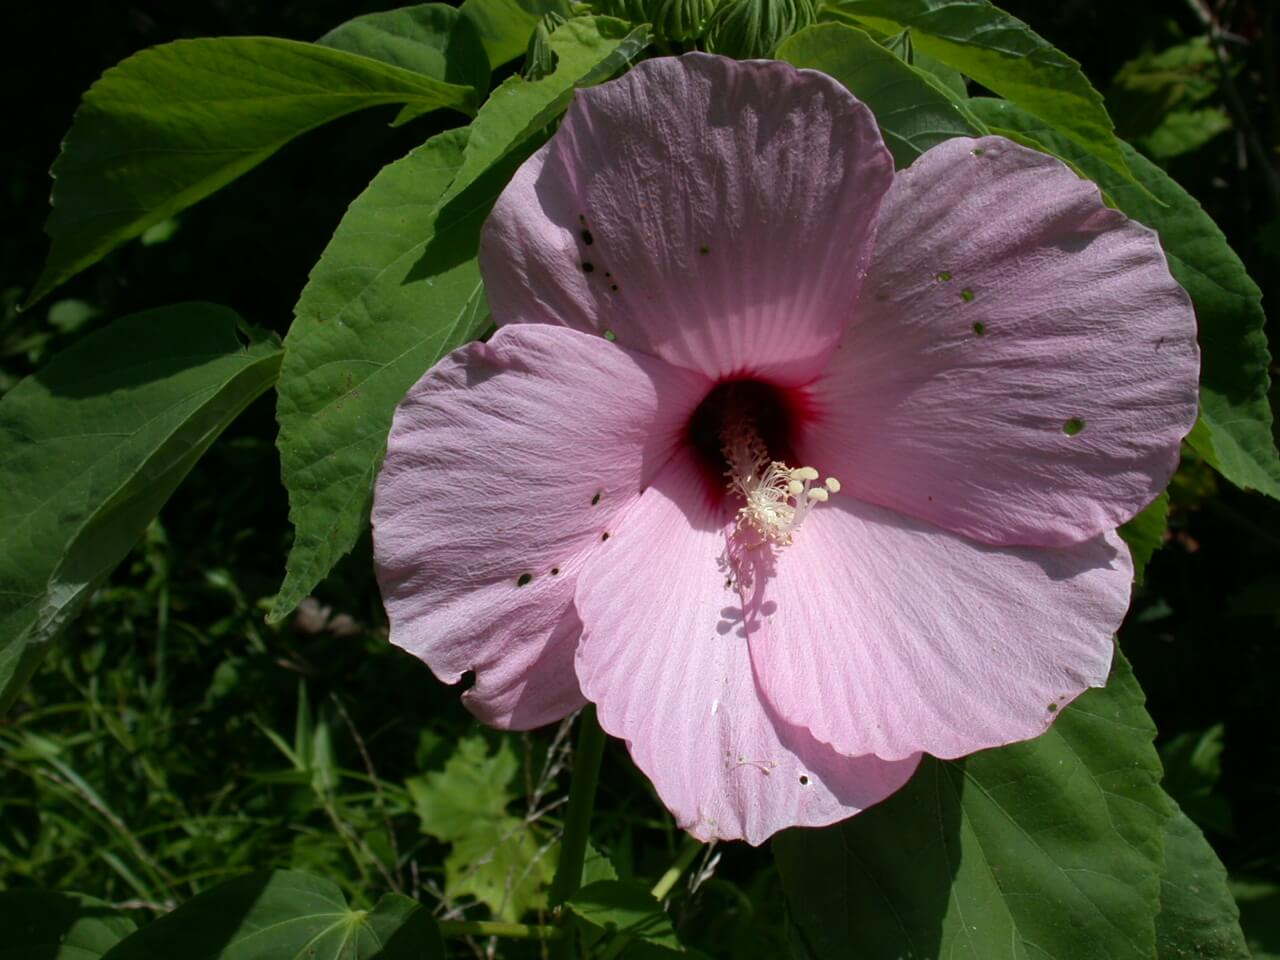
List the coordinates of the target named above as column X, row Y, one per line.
column 818, row 494
column 832, row 484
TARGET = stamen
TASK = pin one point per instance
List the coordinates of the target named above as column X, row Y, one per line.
column 776, row 497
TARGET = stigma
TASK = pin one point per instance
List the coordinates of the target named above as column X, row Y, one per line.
column 776, row 498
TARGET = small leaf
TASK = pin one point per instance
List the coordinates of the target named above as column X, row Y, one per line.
column 285, row 914
column 396, row 289
column 913, row 114
column 472, row 786
column 42, row 925
column 505, row 26
column 1145, row 533
column 433, row 39
column 1192, row 769
column 1234, row 430
column 94, row 444
column 1259, row 902
column 1198, row 918
column 1004, row 54
column 172, row 124
column 621, row 908
column 1049, row 849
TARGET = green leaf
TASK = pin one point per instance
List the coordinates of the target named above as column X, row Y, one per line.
column 1145, row 533
column 1046, row 849
column 1234, row 430
column 172, row 124
column 1198, row 917
column 913, row 114
column 621, row 908
column 396, row 289
column 505, row 26
column 286, row 915
column 1259, row 902
column 433, row 39
column 1184, row 131
column 1005, row 55
column 94, row 444
column 42, row 925
column 1192, row 768
column 496, row 858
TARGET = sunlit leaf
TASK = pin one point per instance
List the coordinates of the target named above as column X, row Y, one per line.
column 172, row 124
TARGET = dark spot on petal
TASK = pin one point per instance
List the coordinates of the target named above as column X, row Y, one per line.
column 944, row 275
column 882, row 295
column 1053, row 708
column 596, row 498
column 604, row 536
column 979, row 327
column 613, row 287
column 704, row 250
column 588, row 266
column 804, row 780
column 930, row 499
column 966, row 295
column 582, row 219
column 608, row 274
column 555, row 571
column 524, row 579
column 587, row 238
column 1073, row 426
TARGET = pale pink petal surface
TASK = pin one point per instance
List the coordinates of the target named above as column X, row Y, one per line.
column 506, row 465
column 713, row 213
column 1020, row 366
column 664, row 656
column 883, row 634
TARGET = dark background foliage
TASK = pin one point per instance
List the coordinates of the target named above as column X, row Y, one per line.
column 140, row 766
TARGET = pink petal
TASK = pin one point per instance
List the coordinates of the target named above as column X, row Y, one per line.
column 951, row 399
column 884, row 635
column 505, row 465
column 728, row 208
column 663, row 657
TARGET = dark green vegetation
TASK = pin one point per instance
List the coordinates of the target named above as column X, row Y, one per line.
column 174, row 739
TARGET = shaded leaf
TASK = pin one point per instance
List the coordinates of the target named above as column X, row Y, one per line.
column 621, row 908
column 913, row 113
column 94, row 444
column 172, row 124
column 1234, row 429
column 1145, row 533
column 1192, row 769
column 505, row 26
column 1259, row 902
column 396, row 289
column 42, row 925
column 1005, row 55
column 431, row 38
column 1046, row 849
column 1198, row 917
column 281, row 915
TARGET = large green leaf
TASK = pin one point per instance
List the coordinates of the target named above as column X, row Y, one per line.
column 93, row 445
column 431, row 38
column 396, row 289
column 1005, row 55
column 1047, row 849
column 621, row 909
column 172, row 124
column 913, row 113
column 1234, row 430
column 42, row 925
column 1198, row 916
column 285, row 915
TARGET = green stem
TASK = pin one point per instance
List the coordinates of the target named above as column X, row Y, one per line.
column 493, row 928
column 582, row 797
column 668, row 880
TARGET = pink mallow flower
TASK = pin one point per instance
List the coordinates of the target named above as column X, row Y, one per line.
column 796, row 467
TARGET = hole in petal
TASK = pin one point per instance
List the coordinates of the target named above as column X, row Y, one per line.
column 804, row 780
column 524, row 579
column 596, row 498
column 555, row 571
column 588, row 266
column 966, row 295
column 587, row 238
column 1073, row 426
column 704, row 250
column 604, row 536
column 944, row 275
column 1053, row 708
column 978, row 151
column 609, row 334
column 979, row 327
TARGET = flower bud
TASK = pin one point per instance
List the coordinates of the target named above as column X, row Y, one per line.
column 752, row 29
column 540, row 59
column 681, row 20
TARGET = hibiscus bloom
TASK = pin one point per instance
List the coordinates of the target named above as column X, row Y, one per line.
column 796, row 467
